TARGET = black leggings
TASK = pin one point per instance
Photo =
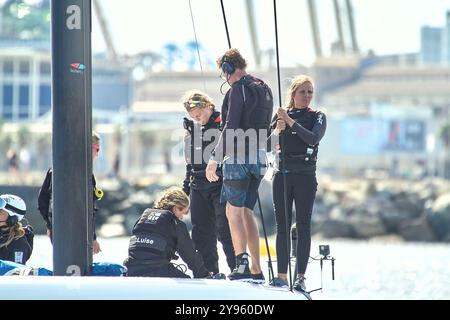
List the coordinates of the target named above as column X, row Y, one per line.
column 209, row 224
column 301, row 188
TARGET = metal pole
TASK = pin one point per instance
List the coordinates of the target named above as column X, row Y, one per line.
column 351, row 22
column 337, row 13
column 315, row 28
column 253, row 33
column 72, row 130
column 288, row 229
column 225, row 23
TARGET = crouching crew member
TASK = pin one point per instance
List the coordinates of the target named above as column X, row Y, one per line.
column 16, row 241
column 158, row 234
column 208, row 216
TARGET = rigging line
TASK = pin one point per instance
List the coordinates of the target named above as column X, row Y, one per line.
column 198, row 50
column 288, row 229
column 226, row 25
column 259, row 201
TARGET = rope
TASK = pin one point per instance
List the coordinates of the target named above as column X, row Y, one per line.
column 226, row 25
column 282, row 146
column 265, row 237
column 196, row 44
column 259, row 201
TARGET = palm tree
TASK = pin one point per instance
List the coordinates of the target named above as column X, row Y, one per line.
column 173, row 53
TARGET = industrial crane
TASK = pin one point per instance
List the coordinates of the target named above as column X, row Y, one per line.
column 112, row 53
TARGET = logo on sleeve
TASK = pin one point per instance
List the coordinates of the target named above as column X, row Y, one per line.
column 18, row 256
column 320, row 118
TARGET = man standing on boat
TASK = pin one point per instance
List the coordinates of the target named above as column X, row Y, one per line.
column 246, row 113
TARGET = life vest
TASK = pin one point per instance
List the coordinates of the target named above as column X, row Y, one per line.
column 154, row 236
column 297, row 151
column 258, row 114
column 258, row 105
column 198, row 145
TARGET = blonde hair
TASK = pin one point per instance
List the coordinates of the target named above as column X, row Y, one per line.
column 295, row 84
column 15, row 232
column 172, row 197
column 197, row 99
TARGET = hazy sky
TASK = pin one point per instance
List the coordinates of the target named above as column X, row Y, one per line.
column 386, row 26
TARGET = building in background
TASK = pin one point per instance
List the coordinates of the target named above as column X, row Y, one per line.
column 431, row 45
column 25, row 82
column 446, row 41
column 435, row 44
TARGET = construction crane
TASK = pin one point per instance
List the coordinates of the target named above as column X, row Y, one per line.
column 112, row 53
column 315, row 28
column 253, row 33
column 351, row 22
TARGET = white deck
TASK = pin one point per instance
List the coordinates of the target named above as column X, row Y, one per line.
column 129, row 288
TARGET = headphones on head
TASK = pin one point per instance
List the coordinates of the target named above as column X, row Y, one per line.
column 227, row 66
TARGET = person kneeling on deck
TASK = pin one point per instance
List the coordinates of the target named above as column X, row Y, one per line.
column 16, row 241
column 158, row 234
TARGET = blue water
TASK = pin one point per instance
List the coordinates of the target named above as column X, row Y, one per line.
column 363, row 269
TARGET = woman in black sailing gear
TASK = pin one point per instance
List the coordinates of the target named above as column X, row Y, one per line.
column 45, row 201
column 208, row 216
column 300, row 129
column 158, row 234
column 16, row 241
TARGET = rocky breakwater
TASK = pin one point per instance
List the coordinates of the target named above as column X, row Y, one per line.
column 411, row 210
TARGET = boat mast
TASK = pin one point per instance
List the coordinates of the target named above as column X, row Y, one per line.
column 72, row 131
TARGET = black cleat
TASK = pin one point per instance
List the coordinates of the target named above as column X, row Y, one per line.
column 217, row 276
column 299, row 284
column 278, row 282
column 258, row 278
column 242, row 271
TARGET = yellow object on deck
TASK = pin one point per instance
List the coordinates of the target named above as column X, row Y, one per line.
column 263, row 248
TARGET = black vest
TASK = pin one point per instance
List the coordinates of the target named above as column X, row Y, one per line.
column 154, row 236
column 258, row 105
column 298, row 152
column 198, row 144
column 257, row 115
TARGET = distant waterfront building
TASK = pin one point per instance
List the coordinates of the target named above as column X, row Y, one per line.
column 431, row 45
column 446, row 41
column 25, row 82
column 435, row 44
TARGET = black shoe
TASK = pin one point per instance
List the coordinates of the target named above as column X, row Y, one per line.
column 278, row 282
column 299, row 284
column 258, row 278
column 217, row 276
column 242, row 271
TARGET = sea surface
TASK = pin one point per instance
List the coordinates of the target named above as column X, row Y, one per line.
column 372, row 270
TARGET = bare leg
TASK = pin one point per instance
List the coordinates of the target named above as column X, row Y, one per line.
column 238, row 231
column 253, row 240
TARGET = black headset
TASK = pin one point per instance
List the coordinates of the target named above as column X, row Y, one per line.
column 12, row 220
column 227, row 66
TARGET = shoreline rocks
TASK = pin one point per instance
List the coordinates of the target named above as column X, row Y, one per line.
column 353, row 208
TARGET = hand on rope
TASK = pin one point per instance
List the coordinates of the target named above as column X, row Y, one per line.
column 283, row 115
column 281, row 125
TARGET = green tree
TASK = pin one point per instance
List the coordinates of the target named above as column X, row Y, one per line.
column 25, row 19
